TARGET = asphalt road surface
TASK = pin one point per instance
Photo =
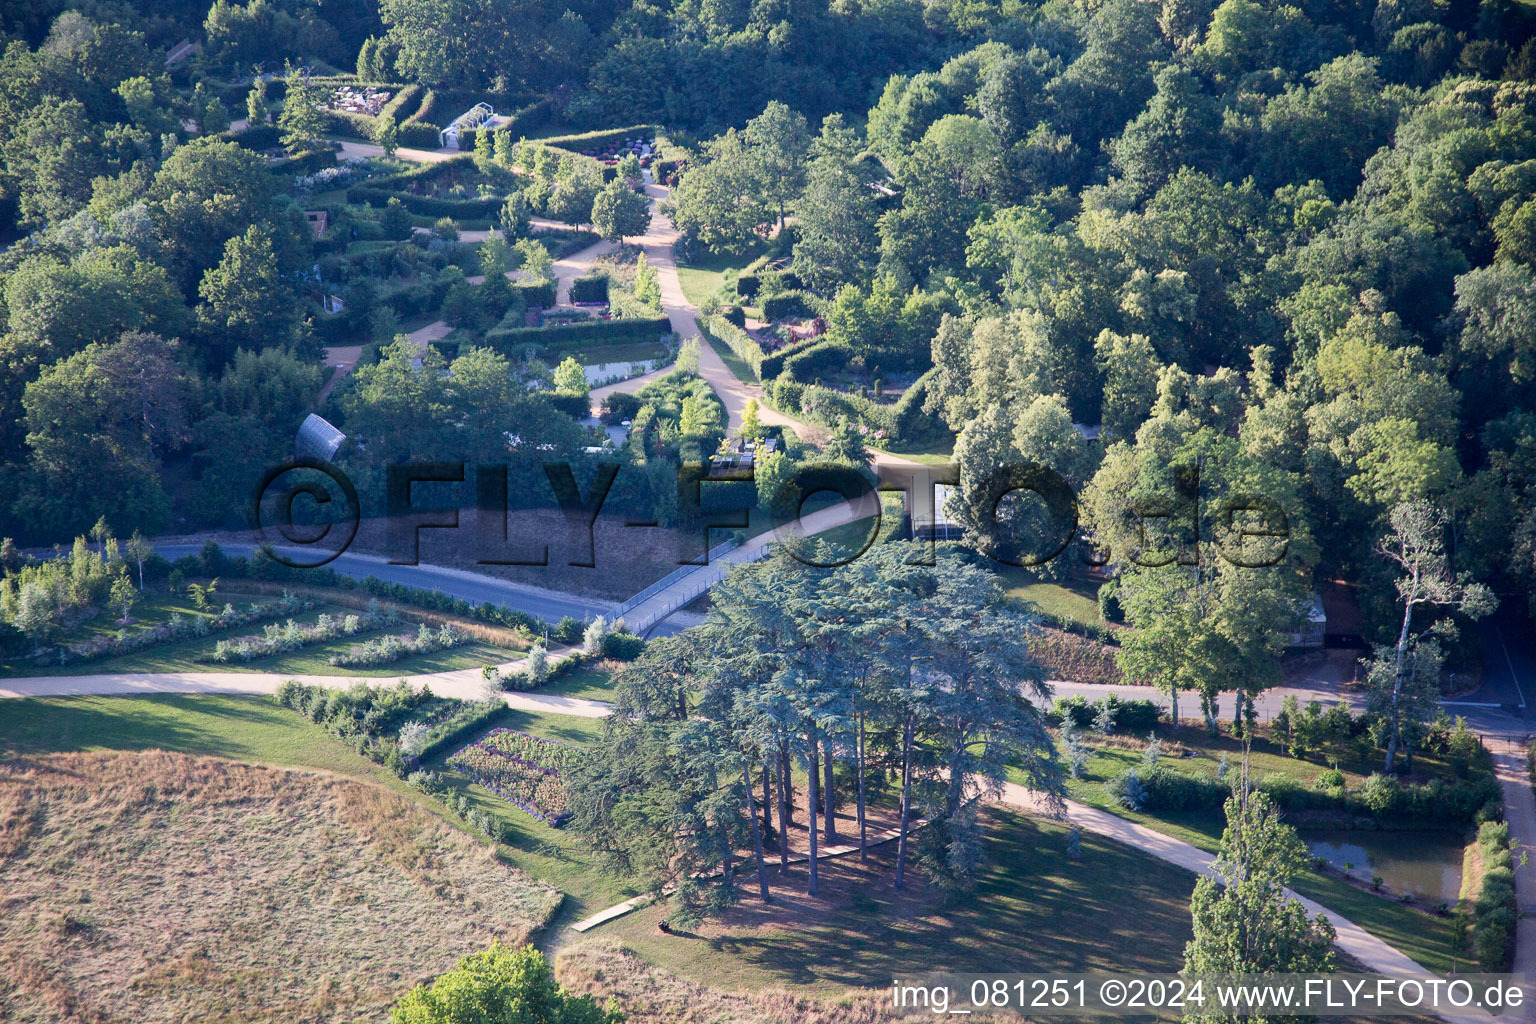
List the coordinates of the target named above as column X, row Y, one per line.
column 549, row 605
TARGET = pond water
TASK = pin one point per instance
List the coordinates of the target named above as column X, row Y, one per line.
column 604, row 371
column 1426, row 864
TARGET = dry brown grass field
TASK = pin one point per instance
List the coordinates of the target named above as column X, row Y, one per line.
column 651, row 995
column 155, row 886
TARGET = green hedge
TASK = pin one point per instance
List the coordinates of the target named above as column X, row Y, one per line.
column 477, row 722
column 1495, row 913
column 305, row 163
column 1436, row 803
column 717, row 328
column 772, row 364
column 541, row 294
column 788, row 304
column 594, row 140
column 810, row 362
column 404, row 103
column 257, row 137
column 379, row 191
column 599, row 332
column 577, row 407
column 427, row 206
column 418, row 135
column 592, row 288
column 909, row 424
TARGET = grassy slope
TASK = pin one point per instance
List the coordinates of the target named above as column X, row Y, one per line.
column 192, row 878
column 1076, row 599
column 1032, row 909
column 256, row 729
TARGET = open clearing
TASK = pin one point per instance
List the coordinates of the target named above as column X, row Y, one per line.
column 158, row 886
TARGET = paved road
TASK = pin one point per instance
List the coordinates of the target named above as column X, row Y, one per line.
column 1509, row 664
column 548, row 605
column 464, row 684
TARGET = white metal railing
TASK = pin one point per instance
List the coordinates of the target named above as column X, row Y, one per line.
column 680, row 573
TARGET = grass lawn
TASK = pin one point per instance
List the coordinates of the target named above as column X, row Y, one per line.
column 589, row 682
column 1426, row 938
column 1077, row 600
column 703, row 277
column 935, row 453
column 252, row 729
column 1115, row 909
column 595, row 355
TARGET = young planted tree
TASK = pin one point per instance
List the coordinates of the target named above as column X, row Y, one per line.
column 123, row 597
column 1405, row 677
column 570, row 377
column 139, row 549
column 386, row 134
column 257, row 109
column 648, row 285
column 1244, row 923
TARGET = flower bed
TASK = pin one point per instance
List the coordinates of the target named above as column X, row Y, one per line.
column 180, row 628
column 523, row 770
column 290, row 636
column 386, row 649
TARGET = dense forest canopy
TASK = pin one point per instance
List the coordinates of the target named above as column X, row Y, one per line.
column 1299, row 236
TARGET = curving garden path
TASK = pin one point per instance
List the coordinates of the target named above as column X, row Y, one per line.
column 658, row 241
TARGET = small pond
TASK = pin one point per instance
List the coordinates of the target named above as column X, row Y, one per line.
column 1426, row 864
column 606, row 371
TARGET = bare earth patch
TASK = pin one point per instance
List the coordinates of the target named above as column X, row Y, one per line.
column 155, row 886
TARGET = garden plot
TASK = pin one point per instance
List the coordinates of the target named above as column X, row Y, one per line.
column 522, row 769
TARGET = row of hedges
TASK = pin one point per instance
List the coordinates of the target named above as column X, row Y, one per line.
column 428, row 206
column 378, row 192
column 1495, row 913
column 518, row 124
column 1436, row 803
column 903, row 422
column 593, row 332
column 595, row 140
column 436, row 600
column 742, row 344
column 771, row 365
column 807, row 364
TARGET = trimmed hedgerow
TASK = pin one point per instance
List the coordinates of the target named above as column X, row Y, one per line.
column 742, row 344
column 1443, row 804
column 592, row 332
column 592, row 288
column 787, row 304
column 1495, row 913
